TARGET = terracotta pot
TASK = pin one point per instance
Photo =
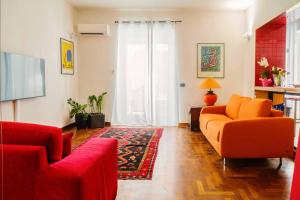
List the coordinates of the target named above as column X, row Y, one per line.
column 210, row 99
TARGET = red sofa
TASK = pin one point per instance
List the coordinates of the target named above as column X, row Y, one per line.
column 295, row 193
column 33, row 167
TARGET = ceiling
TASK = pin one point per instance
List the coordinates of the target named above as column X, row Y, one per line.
column 165, row 4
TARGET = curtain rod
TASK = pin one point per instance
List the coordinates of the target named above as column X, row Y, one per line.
column 149, row 21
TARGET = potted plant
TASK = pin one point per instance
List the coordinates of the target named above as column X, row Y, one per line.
column 278, row 74
column 78, row 111
column 264, row 76
column 96, row 118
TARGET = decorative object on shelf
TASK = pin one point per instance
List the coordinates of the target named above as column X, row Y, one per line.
column 67, row 56
column 210, row 97
column 278, row 75
column 266, row 82
column 78, row 110
column 265, row 74
column 96, row 118
column 210, row 60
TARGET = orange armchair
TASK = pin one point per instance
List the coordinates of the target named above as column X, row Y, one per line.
column 248, row 128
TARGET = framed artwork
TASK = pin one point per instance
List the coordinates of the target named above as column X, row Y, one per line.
column 210, row 60
column 67, row 56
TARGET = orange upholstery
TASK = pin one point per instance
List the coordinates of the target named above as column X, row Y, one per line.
column 249, row 136
column 233, row 106
column 276, row 113
column 214, row 110
column 214, row 128
column 212, row 117
column 255, row 108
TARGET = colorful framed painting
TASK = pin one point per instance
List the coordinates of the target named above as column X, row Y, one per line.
column 67, row 56
column 210, row 60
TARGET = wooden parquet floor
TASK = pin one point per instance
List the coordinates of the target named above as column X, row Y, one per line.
column 188, row 168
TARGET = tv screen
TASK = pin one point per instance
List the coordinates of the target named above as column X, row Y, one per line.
column 21, row 77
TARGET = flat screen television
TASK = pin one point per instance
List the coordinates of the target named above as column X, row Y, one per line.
column 21, row 77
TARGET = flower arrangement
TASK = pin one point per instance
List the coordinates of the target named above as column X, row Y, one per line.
column 266, row 81
column 278, row 74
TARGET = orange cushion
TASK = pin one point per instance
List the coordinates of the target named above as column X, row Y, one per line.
column 255, row 108
column 206, row 118
column 233, row 106
column 214, row 129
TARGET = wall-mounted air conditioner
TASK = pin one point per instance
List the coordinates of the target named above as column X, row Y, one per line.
column 94, row 29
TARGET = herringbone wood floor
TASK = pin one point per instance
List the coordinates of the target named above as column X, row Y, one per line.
column 187, row 168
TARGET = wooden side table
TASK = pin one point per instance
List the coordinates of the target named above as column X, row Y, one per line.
column 195, row 114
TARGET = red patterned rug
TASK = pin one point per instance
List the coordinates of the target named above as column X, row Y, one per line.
column 136, row 152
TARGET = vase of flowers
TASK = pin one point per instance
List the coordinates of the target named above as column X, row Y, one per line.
column 278, row 75
column 264, row 76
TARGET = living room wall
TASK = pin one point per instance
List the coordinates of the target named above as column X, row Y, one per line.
column 259, row 14
column 34, row 28
column 97, row 55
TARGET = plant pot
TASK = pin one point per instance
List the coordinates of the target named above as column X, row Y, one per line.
column 265, row 82
column 96, row 120
column 277, row 80
column 210, row 99
column 81, row 122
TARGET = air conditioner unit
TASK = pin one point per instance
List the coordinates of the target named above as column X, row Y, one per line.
column 94, row 29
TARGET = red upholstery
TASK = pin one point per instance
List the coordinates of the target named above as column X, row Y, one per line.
column 33, row 134
column 67, row 144
column 20, row 166
column 295, row 193
column 88, row 173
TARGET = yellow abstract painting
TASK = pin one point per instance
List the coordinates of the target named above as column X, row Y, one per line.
column 67, row 56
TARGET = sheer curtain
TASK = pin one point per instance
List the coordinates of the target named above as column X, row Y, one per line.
column 293, row 47
column 146, row 90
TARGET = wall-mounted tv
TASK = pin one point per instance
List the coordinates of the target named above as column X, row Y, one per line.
column 21, row 77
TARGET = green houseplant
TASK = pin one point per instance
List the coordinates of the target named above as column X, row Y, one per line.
column 96, row 118
column 78, row 111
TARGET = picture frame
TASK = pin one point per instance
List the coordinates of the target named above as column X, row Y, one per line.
column 67, row 56
column 210, row 60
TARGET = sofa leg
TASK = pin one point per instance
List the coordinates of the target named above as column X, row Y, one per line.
column 280, row 163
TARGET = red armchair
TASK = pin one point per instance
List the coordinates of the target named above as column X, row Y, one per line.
column 295, row 193
column 33, row 168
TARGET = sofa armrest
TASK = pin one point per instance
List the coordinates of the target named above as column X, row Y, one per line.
column 67, row 144
column 34, row 134
column 20, row 165
column 214, row 109
column 88, row 173
column 258, row 137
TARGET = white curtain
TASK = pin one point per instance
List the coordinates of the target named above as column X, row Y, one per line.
column 293, row 47
column 146, row 90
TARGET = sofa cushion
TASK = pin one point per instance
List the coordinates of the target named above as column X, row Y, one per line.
column 214, row 128
column 276, row 113
column 233, row 106
column 206, row 118
column 255, row 108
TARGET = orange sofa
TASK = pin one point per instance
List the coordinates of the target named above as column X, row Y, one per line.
column 248, row 128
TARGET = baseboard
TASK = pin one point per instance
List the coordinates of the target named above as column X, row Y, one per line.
column 183, row 125
column 68, row 127
column 73, row 125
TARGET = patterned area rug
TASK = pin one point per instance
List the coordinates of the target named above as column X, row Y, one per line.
column 137, row 150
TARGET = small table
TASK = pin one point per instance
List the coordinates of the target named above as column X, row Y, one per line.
column 195, row 114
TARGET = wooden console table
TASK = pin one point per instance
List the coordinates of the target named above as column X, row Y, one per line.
column 195, row 114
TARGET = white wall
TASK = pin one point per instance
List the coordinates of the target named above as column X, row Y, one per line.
column 34, row 28
column 97, row 55
column 261, row 12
